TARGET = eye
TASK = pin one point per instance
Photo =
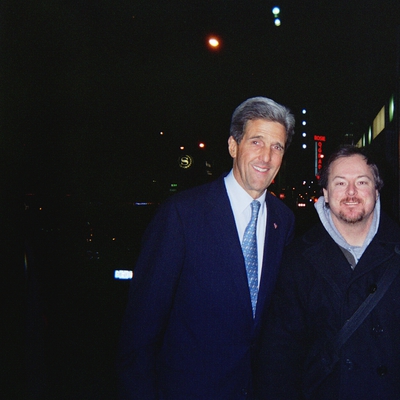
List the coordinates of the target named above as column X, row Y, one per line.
column 277, row 147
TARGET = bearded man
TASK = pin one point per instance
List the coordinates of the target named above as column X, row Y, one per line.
column 333, row 329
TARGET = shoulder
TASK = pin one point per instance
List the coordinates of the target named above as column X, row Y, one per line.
column 388, row 230
column 278, row 207
column 190, row 203
column 271, row 199
column 311, row 241
column 199, row 194
column 300, row 257
column 387, row 236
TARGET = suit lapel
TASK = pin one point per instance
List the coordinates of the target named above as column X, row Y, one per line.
column 221, row 218
column 271, row 258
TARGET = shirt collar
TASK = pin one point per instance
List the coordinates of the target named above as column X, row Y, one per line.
column 239, row 197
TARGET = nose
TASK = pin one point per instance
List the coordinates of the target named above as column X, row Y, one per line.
column 351, row 189
column 265, row 154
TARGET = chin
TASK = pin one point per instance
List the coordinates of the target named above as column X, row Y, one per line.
column 352, row 219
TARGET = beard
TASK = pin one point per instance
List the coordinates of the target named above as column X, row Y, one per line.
column 350, row 217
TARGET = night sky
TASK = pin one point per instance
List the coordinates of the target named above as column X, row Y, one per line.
column 88, row 86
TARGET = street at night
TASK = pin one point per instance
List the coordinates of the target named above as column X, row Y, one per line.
column 110, row 108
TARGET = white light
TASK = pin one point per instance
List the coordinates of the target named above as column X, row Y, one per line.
column 304, row 111
column 276, row 11
column 213, row 42
column 304, row 146
column 304, row 134
column 277, row 22
column 123, row 274
column 304, row 123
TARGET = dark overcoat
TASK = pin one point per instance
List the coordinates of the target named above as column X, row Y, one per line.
column 316, row 293
column 188, row 332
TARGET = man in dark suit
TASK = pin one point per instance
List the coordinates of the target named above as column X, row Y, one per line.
column 192, row 322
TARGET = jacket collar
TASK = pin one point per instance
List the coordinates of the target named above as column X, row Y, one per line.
column 324, row 253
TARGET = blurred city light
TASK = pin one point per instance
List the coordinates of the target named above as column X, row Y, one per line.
column 123, row 274
column 214, row 42
column 276, row 11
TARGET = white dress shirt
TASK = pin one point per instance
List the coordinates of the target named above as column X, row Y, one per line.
column 241, row 206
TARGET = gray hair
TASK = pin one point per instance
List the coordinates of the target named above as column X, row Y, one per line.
column 261, row 108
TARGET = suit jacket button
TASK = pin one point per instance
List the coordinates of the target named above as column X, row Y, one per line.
column 244, row 392
column 373, row 288
column 381, row 370
column 349, row 364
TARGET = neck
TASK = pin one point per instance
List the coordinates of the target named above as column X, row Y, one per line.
column 354, row 234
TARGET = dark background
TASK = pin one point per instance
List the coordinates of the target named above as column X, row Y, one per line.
column 88, row 86
column 85, row 90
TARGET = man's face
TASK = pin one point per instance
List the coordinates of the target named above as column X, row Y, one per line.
column 351, row 192
column 258, row 157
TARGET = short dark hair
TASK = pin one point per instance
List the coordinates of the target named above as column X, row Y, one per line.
column 348, row 151
column 261, row 108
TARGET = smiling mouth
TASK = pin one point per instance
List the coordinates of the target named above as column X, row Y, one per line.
column 351, row 202
column 259, row 169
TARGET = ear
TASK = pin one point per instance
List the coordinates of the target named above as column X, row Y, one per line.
column 326, row 196
column 232, row 146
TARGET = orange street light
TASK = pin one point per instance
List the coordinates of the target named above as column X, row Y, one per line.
column 213, row 42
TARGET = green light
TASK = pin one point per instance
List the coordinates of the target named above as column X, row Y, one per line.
column 391, row 108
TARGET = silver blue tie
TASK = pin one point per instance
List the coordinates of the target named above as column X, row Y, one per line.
column 249, row 247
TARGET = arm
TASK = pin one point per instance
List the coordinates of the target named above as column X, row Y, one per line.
column 150, row 300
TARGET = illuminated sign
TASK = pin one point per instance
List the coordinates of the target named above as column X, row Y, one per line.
column 185, row 162
column 319, row 155
column 123, row 274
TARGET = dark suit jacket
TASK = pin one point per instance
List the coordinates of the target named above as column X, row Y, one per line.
column 188, row 332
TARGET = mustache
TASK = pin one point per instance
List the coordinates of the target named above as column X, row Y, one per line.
column 351, row 199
